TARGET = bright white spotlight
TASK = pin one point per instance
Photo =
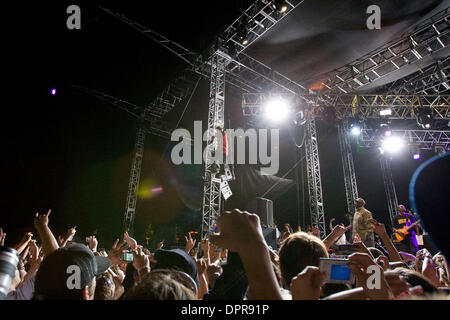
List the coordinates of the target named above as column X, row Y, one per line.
column 385, row 112
column 276, row 109
column 392, row 144
column 355, row 130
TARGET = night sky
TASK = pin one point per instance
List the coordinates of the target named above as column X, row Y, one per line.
column 72, row 152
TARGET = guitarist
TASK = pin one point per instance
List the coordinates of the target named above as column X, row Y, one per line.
column 405, row 219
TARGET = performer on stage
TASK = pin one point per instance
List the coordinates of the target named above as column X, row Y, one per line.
column 401, row 220
column 361, row 224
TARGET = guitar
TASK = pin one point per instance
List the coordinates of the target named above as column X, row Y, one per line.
column 400, row 234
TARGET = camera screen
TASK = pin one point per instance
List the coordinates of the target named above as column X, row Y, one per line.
column 340, row 272
column 127, row 257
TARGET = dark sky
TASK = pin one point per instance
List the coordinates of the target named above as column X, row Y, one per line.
column 72, row 153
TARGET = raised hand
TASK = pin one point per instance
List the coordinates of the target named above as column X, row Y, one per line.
column 307, row 284
column 116, row 252
column 26, row 237
column 383, row 261
column 23, row 243
column 378, row 227
column 34, row 250
column 238, row 230
column 118, row 287
column 41, row 221
column 190, row 243
column 132, row 243
column 202, row 265
column 241, row 232
column 315, row 231
column 140, row 259
column 359, row 263
column 430, row 270
column 2, row 237
column 93, row 243
column 205, row 245
column 160, row 245
column 71, row 232
column 335, row 234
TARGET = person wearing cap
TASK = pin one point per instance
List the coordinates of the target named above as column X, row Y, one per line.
column 362, row 225
column 69, row 273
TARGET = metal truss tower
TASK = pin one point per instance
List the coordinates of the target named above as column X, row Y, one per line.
column 313, row 175
column 133, row 183
column 212, row 186
column 351, row 189
column 389, row 186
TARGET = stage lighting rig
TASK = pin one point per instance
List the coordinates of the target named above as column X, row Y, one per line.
column 415, row 151
column 242, row 32
column 391, row 145
column 424, row 118
column 356, row 127
column 280, row 5
column 385, row 130
column 276, row 109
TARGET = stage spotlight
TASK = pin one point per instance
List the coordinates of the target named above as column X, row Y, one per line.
column 415, row 151
column 300, row 118
column 355, row 130
column 242, row 33
column 276, row 109
column 385, row 112
column 53, row 91
column 385, row 130
column 280, row 6
column 392, row 144
column 424, row 117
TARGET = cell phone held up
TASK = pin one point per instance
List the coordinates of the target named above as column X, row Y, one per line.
column 337, row 270
column 127, row 256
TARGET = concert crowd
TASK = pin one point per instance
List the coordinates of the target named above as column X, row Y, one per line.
column 235, row 263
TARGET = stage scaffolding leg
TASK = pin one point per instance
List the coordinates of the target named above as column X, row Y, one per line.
column 351, row 189
column 211, row 190
column 389, row 186
column 314, row 180
column 133, row 184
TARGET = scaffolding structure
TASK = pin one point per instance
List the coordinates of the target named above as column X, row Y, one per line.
column 212, row 185
column 314, row 178
column 351, row 188
column 225, row 63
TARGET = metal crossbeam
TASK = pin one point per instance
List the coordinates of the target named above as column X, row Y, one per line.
column 259, row 18
column 152, row 124
column 430, row 36
column 177, row 49
column 211, row 189
column 314, row 179
column 351, row 189
column 364, row 106
column 433, row 79
column 423, row 139
column 243, row 72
